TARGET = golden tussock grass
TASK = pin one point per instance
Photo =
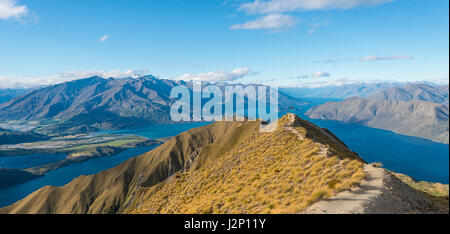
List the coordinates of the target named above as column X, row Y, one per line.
column 264, row 173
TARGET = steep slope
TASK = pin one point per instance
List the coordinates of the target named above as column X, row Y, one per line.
column 278, row 172
column 437, row 192
column 8, row 94
column 109, row 191
column 396, row 109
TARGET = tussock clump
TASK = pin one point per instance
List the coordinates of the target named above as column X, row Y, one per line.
column 377, row 164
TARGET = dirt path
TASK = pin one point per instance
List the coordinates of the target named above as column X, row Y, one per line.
column 347, row 202
column 323, row 149
column 379, row 193
column 356, row 200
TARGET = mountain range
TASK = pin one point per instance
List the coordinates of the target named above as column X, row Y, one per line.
column 416, row 110
column 233, row 167
column 419, row 92
column 96, row 103
column 340, row 91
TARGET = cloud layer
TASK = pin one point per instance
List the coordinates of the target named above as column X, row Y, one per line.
column 271, row 6
column 320, row 74
column 370, row 58
column 217, row 76
column 10, row 9
column 9, row 82
column 275, row 17
column 272, row 21
column 104, row 38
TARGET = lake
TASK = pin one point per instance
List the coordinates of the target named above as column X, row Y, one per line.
column 31, row 160
column 64, row 175
column 416, row 157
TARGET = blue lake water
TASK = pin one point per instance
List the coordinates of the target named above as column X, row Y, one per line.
column 416, row 157
column 66, row 174
column 27, row 161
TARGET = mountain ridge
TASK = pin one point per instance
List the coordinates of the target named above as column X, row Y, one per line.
column 224, row 167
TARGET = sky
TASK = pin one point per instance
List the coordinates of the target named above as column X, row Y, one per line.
column 284, row 42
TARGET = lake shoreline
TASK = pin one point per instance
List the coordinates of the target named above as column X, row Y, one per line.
column 27, row 174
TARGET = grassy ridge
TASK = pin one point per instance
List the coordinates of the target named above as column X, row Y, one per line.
column 261, row 173
column 112, row 190
column 225, row 167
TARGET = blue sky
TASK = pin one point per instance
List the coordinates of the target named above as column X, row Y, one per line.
column 289, row 42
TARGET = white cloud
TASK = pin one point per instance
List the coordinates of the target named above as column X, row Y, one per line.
column 440, row 80
column 104, row 74
column 320, row 74
column 375, row 58
column 12, row 82
column 271, row 6
column 356, row 81
column 272, row 21
column 236, row 74
column 104, row 38
column 301, row 77
column 10, row 9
